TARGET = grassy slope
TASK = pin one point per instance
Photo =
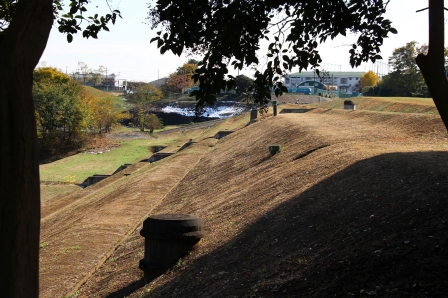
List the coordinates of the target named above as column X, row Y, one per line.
column 327, row 216
column 50, row 192
column 386, row 104
column 83, row 165
column 118, row 100
column 80, row 166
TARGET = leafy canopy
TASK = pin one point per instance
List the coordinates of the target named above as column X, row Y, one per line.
column 70, row 20
column 144, row 94
column 242, row 84
column 59, row 102
column 406, row 78
column 369, row 78
column 229, row 33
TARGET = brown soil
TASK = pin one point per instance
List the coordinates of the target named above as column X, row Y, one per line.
column 354, row 205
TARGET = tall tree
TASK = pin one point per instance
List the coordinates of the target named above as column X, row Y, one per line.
column 58, row 102
column 242, row 84
column 406, row 78
column 98, row 75
column 177, row 83
column 105, row 113
column 368, row 79
column 24, row 30
column 144, row 95
column 432, row 63
column 84, row 70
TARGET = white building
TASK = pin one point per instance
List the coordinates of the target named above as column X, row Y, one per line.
column 345, row 81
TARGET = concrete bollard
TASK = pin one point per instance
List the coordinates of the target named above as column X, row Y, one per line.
column 253, row 115
column 274, row 107
column 168, row 237
column 349, row 105
column 274, row 149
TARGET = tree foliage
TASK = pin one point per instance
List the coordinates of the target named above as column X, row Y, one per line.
column 406, row 78
column 105, row 114
column 242, row 84
column 177, row 83
column 61, row 104
column 145, row 120
column 294, row 28
column 68, row 21
column 97, row 75
column 369, row 78
column 180, row 80
column 144, row 94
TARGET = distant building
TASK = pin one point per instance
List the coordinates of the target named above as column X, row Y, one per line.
column 345, row 81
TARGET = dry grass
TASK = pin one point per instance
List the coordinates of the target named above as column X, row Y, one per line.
column 355, row 205
column 386, row 104
column 80, row 230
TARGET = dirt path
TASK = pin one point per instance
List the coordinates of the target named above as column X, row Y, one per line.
column 81, row 236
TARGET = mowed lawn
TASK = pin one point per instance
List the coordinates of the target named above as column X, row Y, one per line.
column 80, row 166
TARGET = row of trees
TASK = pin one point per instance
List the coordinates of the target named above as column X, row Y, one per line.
column 406, row 79
column 96, row 77
column 64, row 107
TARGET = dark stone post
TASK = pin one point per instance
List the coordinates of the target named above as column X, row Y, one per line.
column 168, row 237
column 253, row 115
column 349, row 105
column 274, row 106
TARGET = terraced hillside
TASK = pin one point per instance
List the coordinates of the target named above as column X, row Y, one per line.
column 354, row 205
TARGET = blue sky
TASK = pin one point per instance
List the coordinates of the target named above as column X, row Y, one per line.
column 126, row 49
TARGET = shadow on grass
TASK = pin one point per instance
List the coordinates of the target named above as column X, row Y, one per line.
column 138, row 284
column 377, row 228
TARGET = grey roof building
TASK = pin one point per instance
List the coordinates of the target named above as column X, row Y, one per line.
column 346, row 81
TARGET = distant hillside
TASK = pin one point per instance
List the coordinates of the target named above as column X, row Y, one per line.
column 101, row 94
column 97, row 93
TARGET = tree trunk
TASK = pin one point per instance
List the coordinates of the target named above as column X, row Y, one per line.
column 21, row 47
column 432, row 65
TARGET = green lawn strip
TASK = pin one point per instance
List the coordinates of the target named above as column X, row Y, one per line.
column 84, row 196
column 83, row 165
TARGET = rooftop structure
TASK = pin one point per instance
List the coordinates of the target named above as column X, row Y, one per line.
column 345, row 81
